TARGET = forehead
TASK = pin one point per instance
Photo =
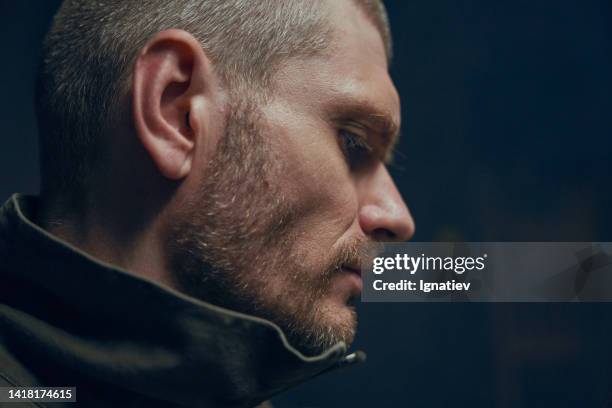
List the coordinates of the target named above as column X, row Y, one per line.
column 353, row 72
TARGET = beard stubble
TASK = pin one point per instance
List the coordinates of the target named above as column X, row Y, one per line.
column 236, row 246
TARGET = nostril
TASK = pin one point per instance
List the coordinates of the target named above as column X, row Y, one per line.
column 390, row 222
column 383, row 234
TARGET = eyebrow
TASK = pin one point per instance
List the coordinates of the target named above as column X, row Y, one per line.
column 374, row 119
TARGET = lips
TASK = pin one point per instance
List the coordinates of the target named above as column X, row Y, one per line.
column 353, row 268
column 353, row 273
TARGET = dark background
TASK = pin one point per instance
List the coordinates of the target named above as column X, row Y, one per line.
column 507, row 135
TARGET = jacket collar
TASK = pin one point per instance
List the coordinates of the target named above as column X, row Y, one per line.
column 129, row 331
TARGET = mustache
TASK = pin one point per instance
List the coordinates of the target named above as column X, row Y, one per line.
column 354, row 253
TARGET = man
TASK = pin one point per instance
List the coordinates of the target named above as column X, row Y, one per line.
column 209, row 171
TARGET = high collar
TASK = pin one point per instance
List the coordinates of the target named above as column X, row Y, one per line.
column 139, row 335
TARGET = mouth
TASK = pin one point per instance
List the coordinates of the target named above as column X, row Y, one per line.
column 352, row 268
column 353, row 271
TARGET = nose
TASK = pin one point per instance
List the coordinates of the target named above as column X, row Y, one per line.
column 383, row 214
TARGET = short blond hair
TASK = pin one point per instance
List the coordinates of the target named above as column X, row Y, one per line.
column 92, row 44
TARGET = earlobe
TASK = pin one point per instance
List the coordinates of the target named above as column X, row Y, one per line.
column 171, row 77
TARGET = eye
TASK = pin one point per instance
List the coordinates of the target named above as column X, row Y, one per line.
column 354, row 146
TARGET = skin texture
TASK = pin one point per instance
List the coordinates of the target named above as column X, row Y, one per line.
column 256, row 204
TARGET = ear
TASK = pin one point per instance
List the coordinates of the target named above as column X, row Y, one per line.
column 172, row 80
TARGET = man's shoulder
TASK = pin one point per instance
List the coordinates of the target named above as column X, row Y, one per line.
column 12, row 372
column 7, row 218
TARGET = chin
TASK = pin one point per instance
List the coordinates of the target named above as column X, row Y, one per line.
column 339, row 318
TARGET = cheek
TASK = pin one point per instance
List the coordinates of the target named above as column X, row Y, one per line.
column 312, row 172
column 320, row 184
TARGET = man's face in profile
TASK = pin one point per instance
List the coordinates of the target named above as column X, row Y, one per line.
column 295, row 186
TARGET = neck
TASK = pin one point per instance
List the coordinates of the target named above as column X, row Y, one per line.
column 113, row 233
